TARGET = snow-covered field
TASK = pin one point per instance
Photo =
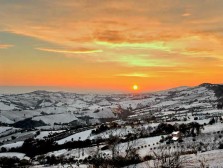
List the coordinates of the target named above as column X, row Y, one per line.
column 56, row 118
column 3, row 129
column 13, row 145
column 44, row 134
column 78, row 136
column 206, row 159
column 14, row 154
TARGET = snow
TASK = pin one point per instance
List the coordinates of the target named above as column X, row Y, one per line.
column 79, row 104
column 80, row 153
column 81, row 135
column 3, row 129
column 13, row 145
column 19, row 115
column 61, row 166
column 189, row 120
column 194, row 105
column 88, row 97
column 105, row 113
column 50, row 110
column 213, row 111
column 213, row 128
column 150, row 140
column 45, row 104
column 166, row 103
column 6, row 107
column 4, row 119
column 114, row 132
column 46, row 134
column 57, row 153
column 146, row 143
column 104, row 103
column 57, row 118
column 135, row 103
column 210, row 158
column 13, row 154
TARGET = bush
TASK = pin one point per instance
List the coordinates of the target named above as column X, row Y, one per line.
column 96, row 111
column 161, row 140
column 180, row 140
column 147, row 157
column 212, row 121
column 13, row 162
column 220, row 146
column 13, row 137
column 3, row 149
column 37, row 133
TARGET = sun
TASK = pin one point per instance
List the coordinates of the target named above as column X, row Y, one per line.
column 135, row 87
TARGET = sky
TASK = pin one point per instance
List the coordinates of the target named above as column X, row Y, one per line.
column 110, row 45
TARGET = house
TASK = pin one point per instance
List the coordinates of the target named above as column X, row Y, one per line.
column 176, row 135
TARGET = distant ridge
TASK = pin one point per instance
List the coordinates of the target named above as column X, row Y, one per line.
column 42, row 91
column 209, row 85
column 217, row 88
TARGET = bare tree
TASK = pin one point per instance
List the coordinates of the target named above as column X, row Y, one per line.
column 167, row 158
column 203, row 163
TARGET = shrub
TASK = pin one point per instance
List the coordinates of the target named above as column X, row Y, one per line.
column 220, row 146
column 147, row 157
column 212, row 121
column 13, row 137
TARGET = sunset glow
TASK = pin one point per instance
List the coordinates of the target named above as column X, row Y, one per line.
column 135, row 87
column 107, row 45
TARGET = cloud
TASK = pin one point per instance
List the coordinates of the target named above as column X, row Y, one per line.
column 4, row 46
column 186, row 14
column 80, row 51
column 157, row 45
column 136, row 60
column 113, row 36
column 141, row 75
column 199, row 50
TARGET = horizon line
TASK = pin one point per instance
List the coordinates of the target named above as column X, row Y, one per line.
column 28, row 89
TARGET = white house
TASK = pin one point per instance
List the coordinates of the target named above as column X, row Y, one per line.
column 176, row 135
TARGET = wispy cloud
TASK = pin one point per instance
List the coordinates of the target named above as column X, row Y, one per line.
column 80, row 51
column 3, row 46
column 157, row 45
column 186, row 14
column 141, row 75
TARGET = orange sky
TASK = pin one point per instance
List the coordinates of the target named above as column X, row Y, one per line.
column 111, row 45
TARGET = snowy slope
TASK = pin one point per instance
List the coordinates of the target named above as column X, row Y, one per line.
column 63, row 107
